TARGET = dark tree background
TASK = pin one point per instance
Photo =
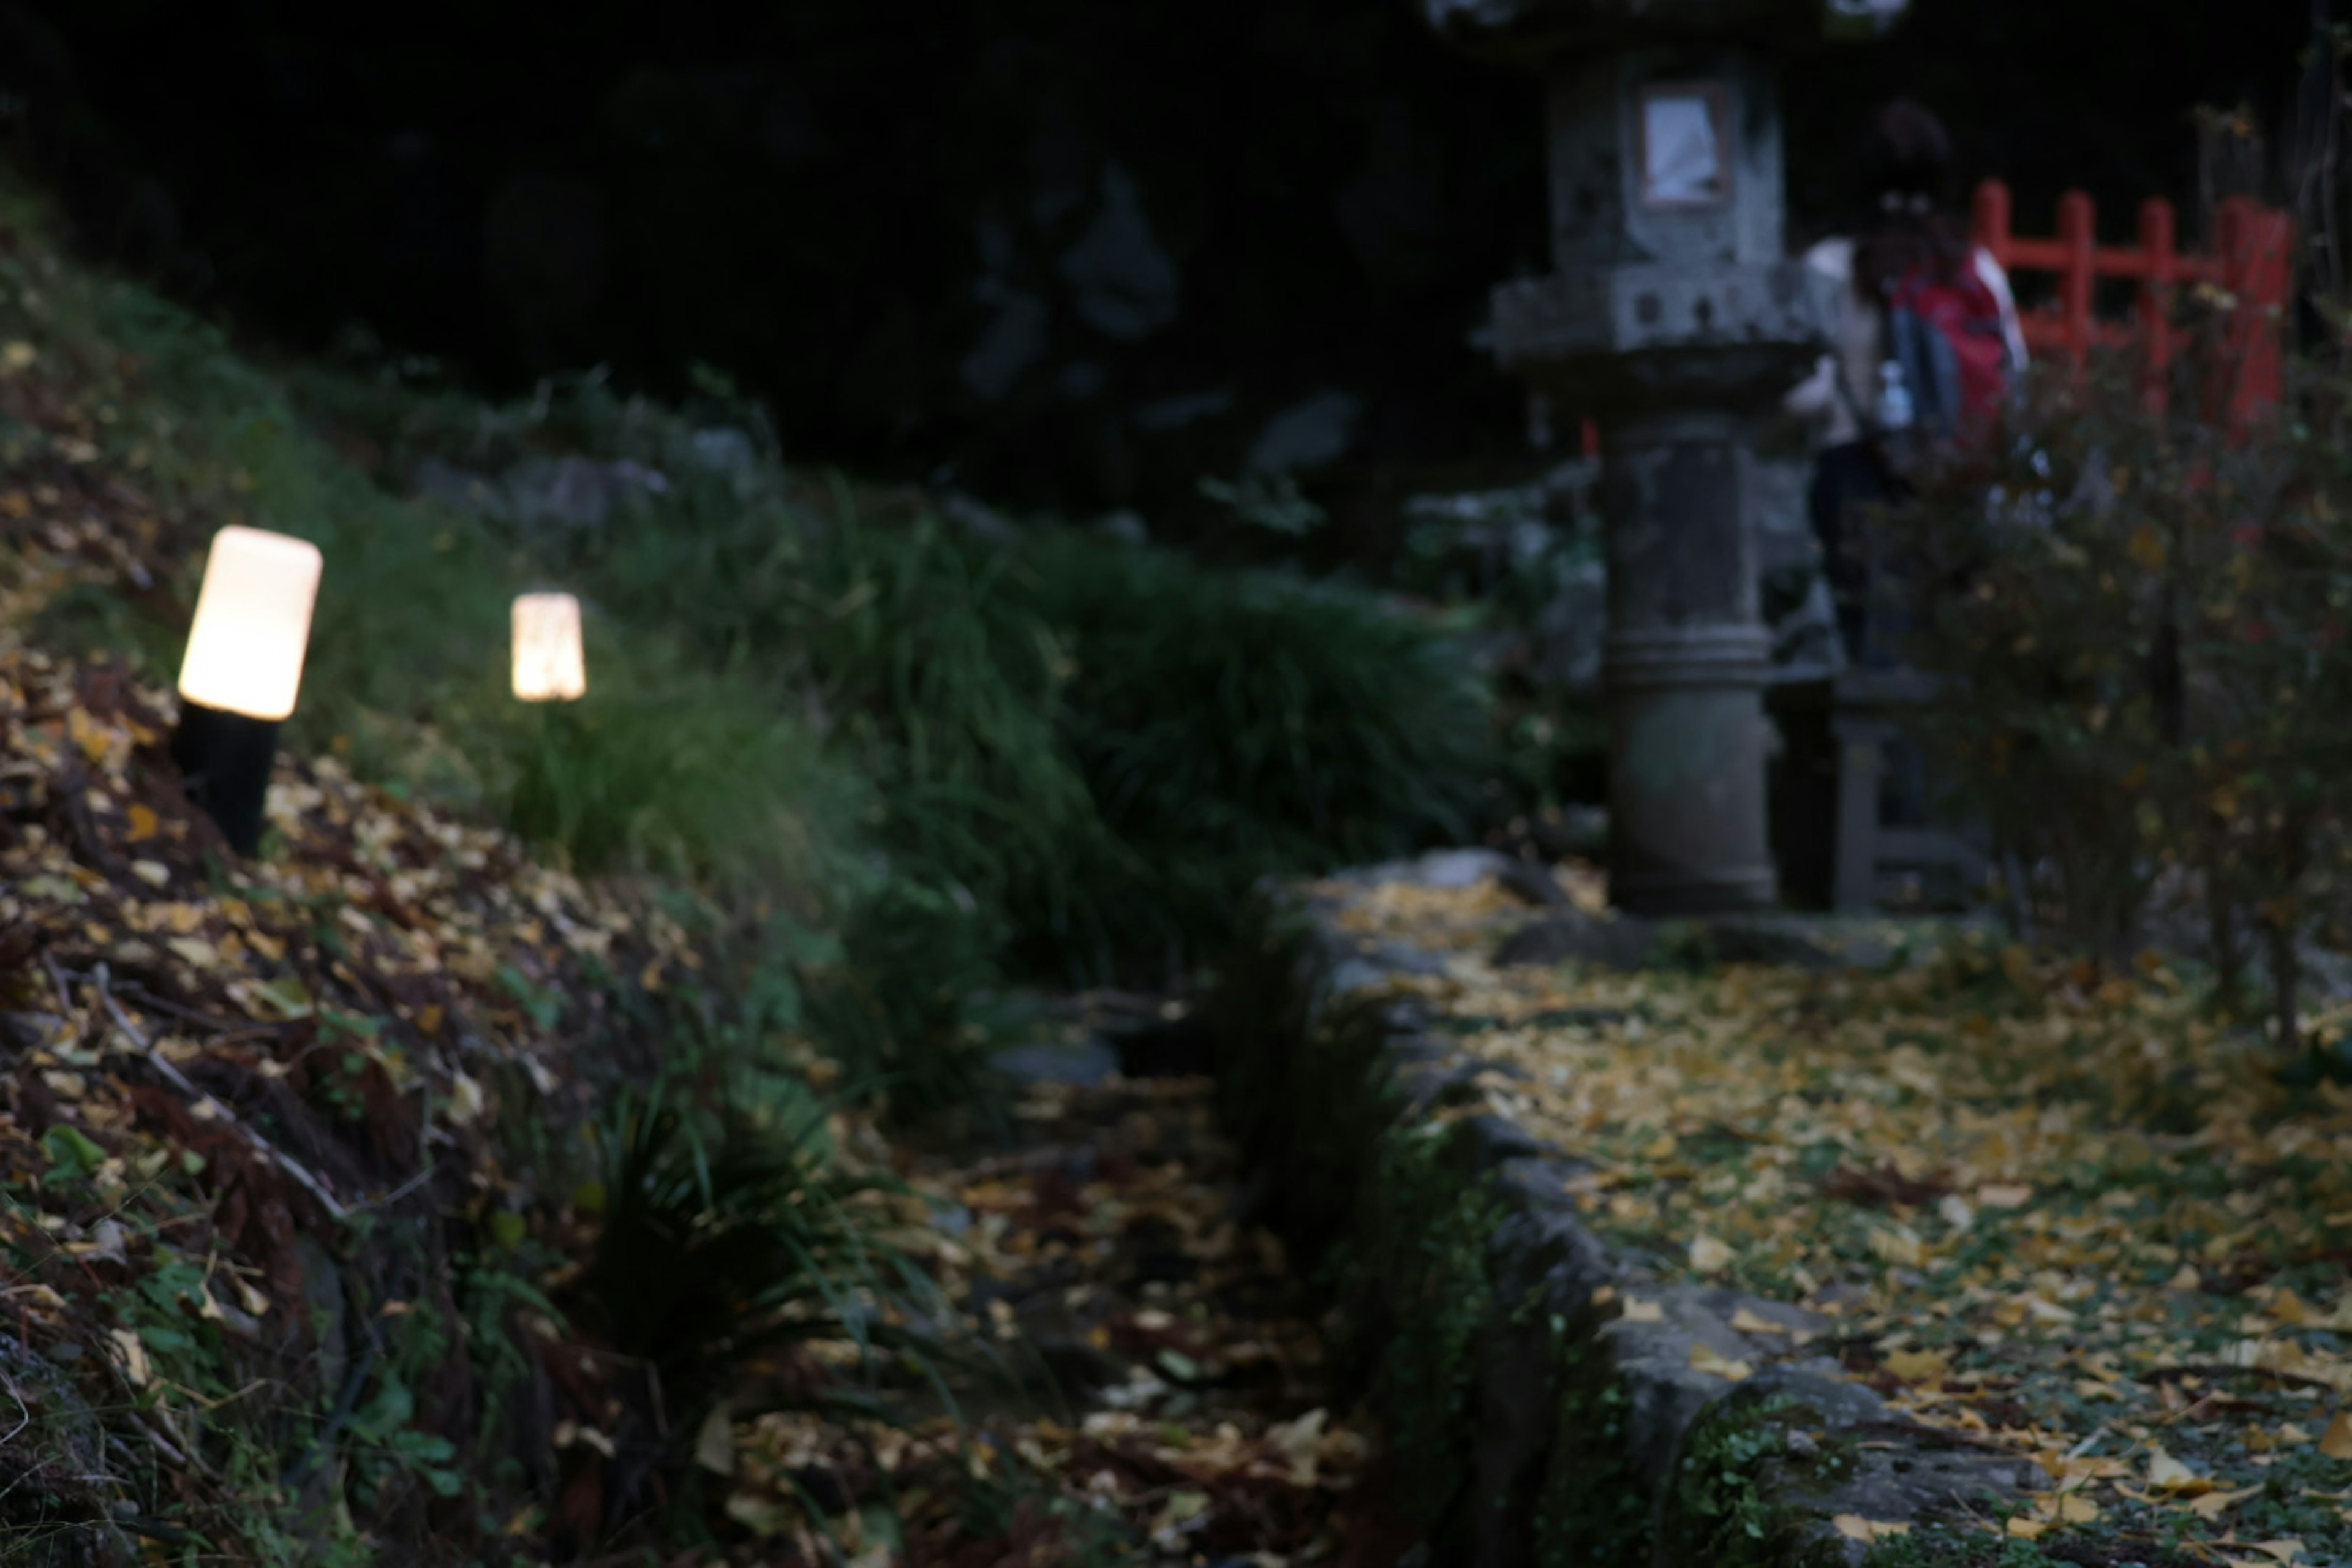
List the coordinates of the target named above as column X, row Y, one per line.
column 1064, row 252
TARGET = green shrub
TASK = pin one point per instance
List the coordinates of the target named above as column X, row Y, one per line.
column 949, row 689
column 1085, row 750
column 2140, row 621
column 719, row 1240
column 897, row 1010
column 1232, row 725
column 697, row 777
column 2044, row 619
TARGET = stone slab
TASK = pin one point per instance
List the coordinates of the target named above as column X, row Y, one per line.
column 1581, row 1433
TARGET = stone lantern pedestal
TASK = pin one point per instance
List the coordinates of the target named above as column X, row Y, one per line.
column 1675, row 317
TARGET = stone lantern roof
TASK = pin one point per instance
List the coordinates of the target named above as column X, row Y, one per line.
column 1530, row 31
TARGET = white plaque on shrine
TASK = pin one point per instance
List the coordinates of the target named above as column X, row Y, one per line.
column 1686, row 160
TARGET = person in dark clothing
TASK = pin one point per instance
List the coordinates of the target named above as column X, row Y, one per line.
column 1908, row 226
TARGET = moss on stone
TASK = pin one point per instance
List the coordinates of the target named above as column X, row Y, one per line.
column 1593, row 1508
column 1429, row 1251
column 1936, row 1546
column 1721, row 1517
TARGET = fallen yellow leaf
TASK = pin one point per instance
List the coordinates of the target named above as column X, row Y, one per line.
column 1919, row 1366
column 1637, row 1310
column 2213, row 1505
column 1854, row 1526
column 467, row 1101
column 2168, row 1473
column 134, row 1355
column 758, row 1515
column 1301, row 1443
column 2336, row 1441
column 1748, row 1322
column 714, row 1443
column 1709, row 1256
column 1704, row 1359
column 1898, row 1245
column 92, row 737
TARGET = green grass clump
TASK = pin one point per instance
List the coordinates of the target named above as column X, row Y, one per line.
column 658, row 772
column 1086, row 750
column 1229, row 725
column 716, row 1242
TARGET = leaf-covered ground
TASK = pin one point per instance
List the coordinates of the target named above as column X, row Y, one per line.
column 2059, row 1213
column 216, row 1082
column 1152, row 1392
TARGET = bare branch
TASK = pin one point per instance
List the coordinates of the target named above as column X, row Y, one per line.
column 212, row 1105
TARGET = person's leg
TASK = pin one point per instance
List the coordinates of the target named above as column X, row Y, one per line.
column 1838, row 475
column 1891, row 582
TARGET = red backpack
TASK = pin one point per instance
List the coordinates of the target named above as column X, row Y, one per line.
column 1946, row 334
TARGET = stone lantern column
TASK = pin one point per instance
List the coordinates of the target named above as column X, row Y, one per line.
column 1674, row 316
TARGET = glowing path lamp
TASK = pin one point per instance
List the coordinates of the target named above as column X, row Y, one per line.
column 549, row 666
column 243, row 669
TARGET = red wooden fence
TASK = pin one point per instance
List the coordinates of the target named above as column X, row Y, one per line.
column 2251, row 261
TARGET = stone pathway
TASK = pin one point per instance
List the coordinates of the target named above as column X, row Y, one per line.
column 1156, row 1390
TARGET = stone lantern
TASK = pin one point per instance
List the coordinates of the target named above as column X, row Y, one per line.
column 1675, row 317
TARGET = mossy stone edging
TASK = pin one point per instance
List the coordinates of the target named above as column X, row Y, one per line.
column 1532, row 1423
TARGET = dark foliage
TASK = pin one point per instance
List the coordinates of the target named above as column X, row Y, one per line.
column 843, row 204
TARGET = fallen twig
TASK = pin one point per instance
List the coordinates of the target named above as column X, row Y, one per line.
column 170, row 1074
column 223, row 1026
column 64, row 989
column 157, row 1529
column 398, row 1193
column 1920, row 1430
column 23, row 1409
column 2220, row 1368
column 149, row 1427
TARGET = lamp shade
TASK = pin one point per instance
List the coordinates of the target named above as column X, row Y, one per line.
column 252, row 625
column 548, row 664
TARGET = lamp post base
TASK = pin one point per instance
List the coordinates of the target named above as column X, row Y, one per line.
column 1686, row 788
column 225, row 760
column 1683, row 670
